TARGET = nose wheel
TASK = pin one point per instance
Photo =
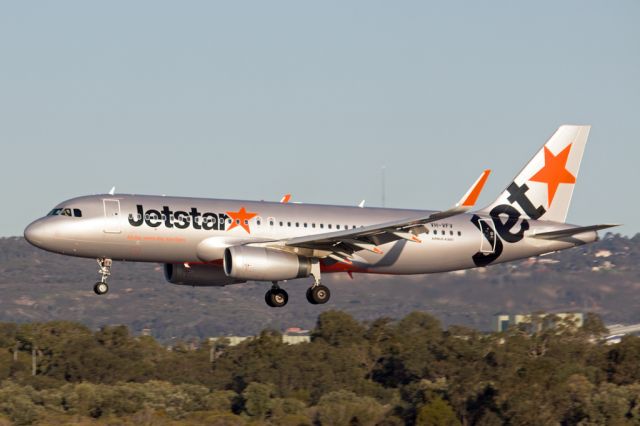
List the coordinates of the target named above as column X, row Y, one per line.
column 101, row 286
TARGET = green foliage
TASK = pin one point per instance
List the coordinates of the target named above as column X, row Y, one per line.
column 346, row 408
column 338, row 329
column 385, row 372
column 17, row 403
column 437, row 413
column 257, row 400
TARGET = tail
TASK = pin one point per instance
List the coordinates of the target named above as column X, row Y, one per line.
column 543, row 189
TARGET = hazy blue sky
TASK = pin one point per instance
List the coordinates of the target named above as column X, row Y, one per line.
column 255, row 99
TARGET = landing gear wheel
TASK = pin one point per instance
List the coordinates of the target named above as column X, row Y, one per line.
column 100, row 288
column 267, row 298
column 276, row 298
column 318, row 295
column 309, row 298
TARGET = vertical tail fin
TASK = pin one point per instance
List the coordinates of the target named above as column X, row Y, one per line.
column 543, row 189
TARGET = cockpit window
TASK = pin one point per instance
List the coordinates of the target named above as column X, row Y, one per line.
column 66, row 212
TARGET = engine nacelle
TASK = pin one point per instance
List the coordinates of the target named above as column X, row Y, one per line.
column 262, row 264
column 197, row 275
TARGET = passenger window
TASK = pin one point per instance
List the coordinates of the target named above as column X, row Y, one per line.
column 271, row 223
column 289, row 224
column 313, row 225
column 337, row 226
column 246, row 222
column 459, row 234
column 297, row 224
column 281, row 223
column 305, row 224
column 329, row 225
column 258, row 222
column 322, row 226
column 450, row 232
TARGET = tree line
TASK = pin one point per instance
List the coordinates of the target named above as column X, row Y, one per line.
column 384, row 372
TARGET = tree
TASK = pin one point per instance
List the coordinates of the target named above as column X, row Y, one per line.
column 346, row 408
column 338, row 329
column 593, row 325
column 436, row 413
column 257, row 400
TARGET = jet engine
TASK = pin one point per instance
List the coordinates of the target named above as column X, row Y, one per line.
column 197, row 275
column 262, row 264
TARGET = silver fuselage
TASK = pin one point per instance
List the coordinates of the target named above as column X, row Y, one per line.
column 126, row 227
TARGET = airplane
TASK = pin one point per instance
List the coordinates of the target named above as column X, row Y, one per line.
column 215, row 242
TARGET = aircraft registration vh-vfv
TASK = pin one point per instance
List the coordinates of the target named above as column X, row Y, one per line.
column 211, row 242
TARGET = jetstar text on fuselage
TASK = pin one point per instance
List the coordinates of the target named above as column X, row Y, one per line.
column 180, row 219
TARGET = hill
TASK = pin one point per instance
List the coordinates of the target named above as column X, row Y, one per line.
column 38, row 286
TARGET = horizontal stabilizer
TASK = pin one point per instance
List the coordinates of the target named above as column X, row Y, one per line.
column 569, row 232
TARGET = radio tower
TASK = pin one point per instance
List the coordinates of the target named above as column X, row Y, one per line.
column 384, row 186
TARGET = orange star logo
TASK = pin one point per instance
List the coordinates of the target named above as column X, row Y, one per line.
column 241, row 217
column 554, row 171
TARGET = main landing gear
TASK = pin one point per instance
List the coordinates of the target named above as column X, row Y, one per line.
column 101, row 286
column 317, row 294
column 276, row 297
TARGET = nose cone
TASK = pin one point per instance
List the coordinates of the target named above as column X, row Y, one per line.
column 39, row 233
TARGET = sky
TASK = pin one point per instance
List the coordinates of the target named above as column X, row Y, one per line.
column 251, row 100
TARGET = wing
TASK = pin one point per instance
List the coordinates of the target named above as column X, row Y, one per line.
column 341, row 245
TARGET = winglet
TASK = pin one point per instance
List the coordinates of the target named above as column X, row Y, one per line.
column 285, row 198
column 469, row 199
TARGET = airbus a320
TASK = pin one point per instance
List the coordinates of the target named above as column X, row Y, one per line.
column 213, row 242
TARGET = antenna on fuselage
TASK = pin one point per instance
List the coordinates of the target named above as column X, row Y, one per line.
column 112, row 191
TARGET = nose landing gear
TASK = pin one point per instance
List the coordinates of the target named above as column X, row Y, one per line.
column 101, row 286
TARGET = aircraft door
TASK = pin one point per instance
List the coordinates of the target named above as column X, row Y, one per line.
column 112, row 216
column 488, row 235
